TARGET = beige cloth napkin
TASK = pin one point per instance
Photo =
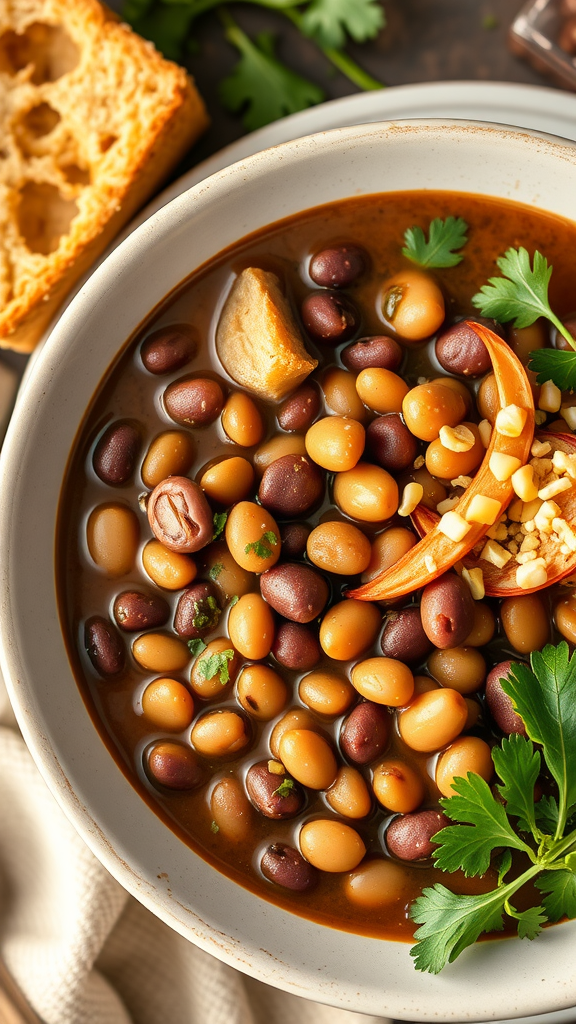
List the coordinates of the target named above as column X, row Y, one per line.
column 83, row 951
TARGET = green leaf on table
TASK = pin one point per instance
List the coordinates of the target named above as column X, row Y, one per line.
column 556, row 365
column 470, row 845
column 450, row 922
column 560, row 893
column 328, row 22
column 444, row 238
column 518, row 765
column 166, row 27
column 132, row 10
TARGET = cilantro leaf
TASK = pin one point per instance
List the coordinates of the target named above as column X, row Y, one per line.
column 234, row 600
column 560, row 893
column 263, row 547
column 215, row 570
column 206, row 613
column 556, row 365
column 328, row 21
column 260, row 85
column 547, row 814
column 445, row 236
column 214, row 827
column 469, row 846
column 219, row 520
column 503, row 863
column 216, row 665
column 196, row 647
column 166, row 27
column 518, row 765
column 450, row 922
column 285, row 788
column 530, row 921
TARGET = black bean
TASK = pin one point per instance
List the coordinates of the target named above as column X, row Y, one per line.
column 173, row 765
column 179, row 515
column 115, row 454
column 296, row 647
column 380, row 351
column 275, row 796
column 198, row 611
column 291, row 486
column 404, row 638
column 338, row 266
column 460, row 350
column 104, row 646
column 300, row 409
column 135, row 611
column 499, row 703
column 286, row 867
column 365, row 733
column 194, row 401
column 409, row 837
column 390, row 444
column 294, row 591
column 447, row 610
column 168, row 349
column 329, row 317
column 294, row 537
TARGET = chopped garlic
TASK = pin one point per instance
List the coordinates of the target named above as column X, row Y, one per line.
column 411, row 497
column 515, row 510
column 540, row 448
column 550, row 398
column 513, row 547
column 511, row 420
column 447, row 504
column 554, row 488
column 530, row 509
column 539, row 417
column 531, row 575
column 475, row 580
column 497, row 532
column 523, row 483
column 485, row 431
column 276, row 768
column 461, row 481
column 541, row 467
column 568, row 413
column 495, row 553
column 430, row 564
column 457, row 439
column 419, row 462
column 453, row 526
column 502, row 466
column 564, row 531
column 525, row 556
column 530, row 543
column 565, row 549
column 564, row 463
column 483, row 510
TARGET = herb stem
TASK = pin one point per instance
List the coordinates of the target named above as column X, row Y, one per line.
column 563, row 330
column 341, row 60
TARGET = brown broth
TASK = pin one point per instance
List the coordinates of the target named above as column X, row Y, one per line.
column 377, row 223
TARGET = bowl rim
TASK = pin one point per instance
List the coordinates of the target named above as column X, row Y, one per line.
column 265, row 941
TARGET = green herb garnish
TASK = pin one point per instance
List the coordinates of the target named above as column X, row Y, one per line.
column 330, row 21
column 234, row 600
column 216, row 570
column 262, row 547
column 216, row 665
column 544, row 832
column 219, row 521
column 285, row 788
column 206, row 613
column 444, row 238
column 196, row 647
column 214, row 827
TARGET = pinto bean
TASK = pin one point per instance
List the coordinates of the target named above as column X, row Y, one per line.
column 134, row 611
column 179, row 515
column 295, row 591
column 115, row 454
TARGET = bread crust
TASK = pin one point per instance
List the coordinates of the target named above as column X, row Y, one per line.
column 124, row 117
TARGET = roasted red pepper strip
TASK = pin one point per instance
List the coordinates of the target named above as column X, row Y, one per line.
column 502, row 582
column 411, row 572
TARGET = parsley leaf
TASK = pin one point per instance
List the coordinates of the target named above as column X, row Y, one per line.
column 285, row 788
column 445, row 236
column 560, row 890
column 262, row 547
column 219, row 520
column 518, row 765
column 165, row 26
column 328, row 21
column 530, row 921
column 450, row 922
column 206, row 613
column 196, row 647
column 547, row 814
column 216, row 665
column 216, row 570
column 556, row 365
column 260, row 85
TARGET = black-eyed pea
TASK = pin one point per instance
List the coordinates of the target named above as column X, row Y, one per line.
column 308, row 757
column 242, row 420
column 387, row 548
column 412, row 305
column 467, row 754
column 169, row 454
column 339, row 547
column 113, row 534
column 297, row 718
column 277, row 448
column 484, row 626
column 461, row 668
column 160, row 652
column 326, row 693
column 335, row 443
column 262, row 692
column 348, row 628
column 251, row 627
column 340, row 394
column 384, row 681
column 330, row 845
column 349, row 794
column 253, row 537
column 167, row 704
column 397, row 786
column 377, row 883
column 220, row 734
column 443, row 462
column 228, row 481
column 215, row 669
column 167, row 569
column 366, row 492
column 231, row 810
column 433, row 719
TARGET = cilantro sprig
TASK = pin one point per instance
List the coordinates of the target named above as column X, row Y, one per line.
column 217, row 664
column 285, row 788
column 445, row 237
column 219, row 519
column 263, row 547
column 543, row 831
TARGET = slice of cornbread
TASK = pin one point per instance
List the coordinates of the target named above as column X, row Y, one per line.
column 92, row 119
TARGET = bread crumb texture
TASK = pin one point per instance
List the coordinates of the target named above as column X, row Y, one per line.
column 93, row 119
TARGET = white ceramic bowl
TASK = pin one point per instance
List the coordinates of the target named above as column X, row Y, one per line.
column 493, row 980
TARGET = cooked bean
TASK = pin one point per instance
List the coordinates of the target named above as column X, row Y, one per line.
column 135, row 611
column 296, row 647
column 338, row 267
column 526, row 623
column 276, row 448
column 179, row 515
column 104, row 646
column 423, row 684
column 474, row 713
column 275, row 796
column 340, row 394
column 365, row 733
column 229, row 578
column 330, row 845
column 428, row 407
column 433, row 491
column 412, row 305
column 447, row 465
column 286, row 867
column 348, row 628
column 339, row 547
column 387, row 548
column 488, row 400
column 168, row 349
column 404, row 637
column 383, row 681
column 447, row 610
column 197, row 612
column 467, row 754
column 113, row 533
column 335, row 443
column 167, row 704
column 170, row 454
column 251, row 627
column 220, row 734
column 294, row 537
column 500, row 704
column 291, row 486
column 461, row 668
column 308, row 757
column 194, row 401
column 524, row 340
column 160, row 652
column 174, row 766
column 167, row 568
column 397, row 786
column 484, row 626
column 326, row 693
column 262, row 692
column 300, row 409
column 409, row 837
column 433, row 719
column 565, row 618
column 390, row 444
column 349, row 794
column 460, row 388
column 242, row 420
column 228, row 481
column 381, row 390
column 231, row 810
column 115, row 454
column 460, row 350
column 377, row 883
column 329, row 317
column 377, row 351
column 298, row 718
column 215, row 669
column 294, row 591
column 253, row 537
column 366, row 492
column 558, row 340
